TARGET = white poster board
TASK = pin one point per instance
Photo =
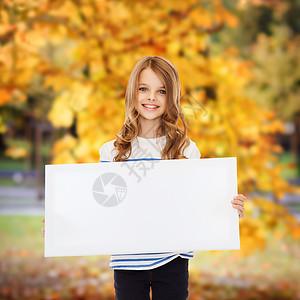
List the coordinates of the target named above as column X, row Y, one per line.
column 141, row 207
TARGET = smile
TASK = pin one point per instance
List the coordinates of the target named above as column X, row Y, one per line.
column 150, row 107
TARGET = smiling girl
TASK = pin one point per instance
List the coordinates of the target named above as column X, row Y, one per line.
column 151, row 131
column 152, row 104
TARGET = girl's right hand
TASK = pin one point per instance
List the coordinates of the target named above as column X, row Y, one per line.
column 43, row 229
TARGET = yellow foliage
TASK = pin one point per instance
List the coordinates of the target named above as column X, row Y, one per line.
column 64, row 157
column 16, row 152
column 93, row 48
column 295, row 231
column 66, row 143
column 29, row 40
column 85, row 123
column 61, row 113
column 82, row 150
column 58, row 81
column 173, row 47
column 19, row 95
column 5, row 96
column 230, row 19
column 262, row 215
column 252, row 235
column 2, row 125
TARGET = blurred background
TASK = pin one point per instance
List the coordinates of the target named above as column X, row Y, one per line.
column 64, row 68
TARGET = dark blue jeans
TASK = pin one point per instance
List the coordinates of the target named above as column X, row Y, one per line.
column 168, row 282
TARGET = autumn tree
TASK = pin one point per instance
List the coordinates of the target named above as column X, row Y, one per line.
column 84, row 52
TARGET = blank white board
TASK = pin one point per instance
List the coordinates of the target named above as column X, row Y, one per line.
column 141, row 207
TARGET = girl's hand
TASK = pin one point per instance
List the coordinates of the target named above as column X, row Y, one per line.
column 43, row 229
column 238, row 203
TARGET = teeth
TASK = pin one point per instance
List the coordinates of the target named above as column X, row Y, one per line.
column 150, row 106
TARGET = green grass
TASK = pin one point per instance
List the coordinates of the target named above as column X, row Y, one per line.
column 4, row 181
column 9, row 182
column 23, row 143
column 295, row 205
column 8, row 163
column 213, row 274
column 11, row 164
column 287, row 158
column 21, row 232
column 24, row 233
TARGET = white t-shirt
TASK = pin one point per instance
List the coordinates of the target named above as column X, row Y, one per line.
column 145, row 149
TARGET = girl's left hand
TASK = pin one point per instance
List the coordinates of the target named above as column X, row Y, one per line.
column 238, row 203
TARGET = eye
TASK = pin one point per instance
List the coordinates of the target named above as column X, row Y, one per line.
column 142, row 88
column 163, row 91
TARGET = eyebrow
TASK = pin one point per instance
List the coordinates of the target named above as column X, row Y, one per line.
column 147, row 85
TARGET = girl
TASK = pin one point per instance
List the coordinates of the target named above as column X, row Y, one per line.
column 150, row 132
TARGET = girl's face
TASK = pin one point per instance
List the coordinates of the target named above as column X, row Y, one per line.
column 151, row 91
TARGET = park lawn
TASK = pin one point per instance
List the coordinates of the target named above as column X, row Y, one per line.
column 23, row 233
column 272, row 274
column 4, row 181
column 11, row 164
column 285, row 159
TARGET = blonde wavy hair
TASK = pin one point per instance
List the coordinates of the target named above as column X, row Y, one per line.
column 176, row 137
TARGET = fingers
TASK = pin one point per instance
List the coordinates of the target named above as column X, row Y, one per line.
column 240, row 212
column 241, row 208
column 238, row 203
column 43, row 229
column 240, row 197
column 239, row 200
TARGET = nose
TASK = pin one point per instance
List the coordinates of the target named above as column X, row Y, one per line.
column 151, row 95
